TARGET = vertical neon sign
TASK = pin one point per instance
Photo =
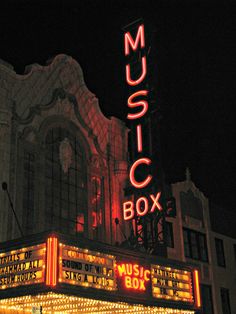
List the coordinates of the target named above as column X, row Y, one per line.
column 52, row 258
column 138, row 101
column 197, row 288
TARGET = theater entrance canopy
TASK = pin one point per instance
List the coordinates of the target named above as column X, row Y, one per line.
column 54, row 273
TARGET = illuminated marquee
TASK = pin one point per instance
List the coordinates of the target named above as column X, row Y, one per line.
column 172, row 284
column 86, row 268
column 55, row 264
column 134, row 276
column 138, row 102
column 22, row 266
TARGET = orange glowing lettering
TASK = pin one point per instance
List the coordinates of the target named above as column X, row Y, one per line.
column 139, row 103
column 139, row 138
column 147, row 275
column 136, row 270
column 142, row 200
column 134, row 44
column 128, row 210
column 128, row 282
column 141, row 285
column 129, row 269
column 135, row 283
column 135, row 276
column 156, row 203
column 121, row 269
column 142, row 76
column 142, row 184
column 141, row 207
column 141, row 272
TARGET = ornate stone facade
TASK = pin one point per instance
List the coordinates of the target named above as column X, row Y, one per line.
column 53, row 101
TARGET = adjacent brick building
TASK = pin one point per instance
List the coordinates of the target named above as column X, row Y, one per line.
column 206, row 236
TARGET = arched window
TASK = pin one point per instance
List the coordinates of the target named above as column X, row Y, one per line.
column 28, row 191
column 65, row 182
column 97, row 207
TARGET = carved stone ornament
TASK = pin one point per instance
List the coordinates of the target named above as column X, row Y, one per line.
column 64, row 107
column 65, row 154
column 95, row 161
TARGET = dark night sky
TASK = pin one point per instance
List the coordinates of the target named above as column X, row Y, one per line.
column 194, row 52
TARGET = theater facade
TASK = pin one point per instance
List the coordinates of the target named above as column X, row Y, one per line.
column 55, row 273
column 66, row 167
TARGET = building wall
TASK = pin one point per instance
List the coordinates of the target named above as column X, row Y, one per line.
column 224, row 276
column 193, row 214
column 56, row 97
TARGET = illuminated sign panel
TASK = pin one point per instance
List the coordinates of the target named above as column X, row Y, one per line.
column 86, row 268
column 22, row 266
column 171, row 284
column 56, row 264
column 134, row 276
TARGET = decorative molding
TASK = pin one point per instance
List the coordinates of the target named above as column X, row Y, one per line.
column 61, row 78
column 97, row 162
column 38, row 109
column 60, row 94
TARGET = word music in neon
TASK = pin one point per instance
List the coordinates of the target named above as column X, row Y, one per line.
column 134, row 276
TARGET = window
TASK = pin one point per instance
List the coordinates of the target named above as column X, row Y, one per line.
column 191, row 206
column 28, row 191
column 169, row 235
column 206, row 295
column 195, row 245
column 187, row 252
column 65, row 182
column 235, row 252
column 202, row 247
column 220, row 252
column 225, row 302
column 97, row 206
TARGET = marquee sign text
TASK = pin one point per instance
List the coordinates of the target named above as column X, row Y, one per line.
column 22, row 266
column 172, row 284
column 86, row 268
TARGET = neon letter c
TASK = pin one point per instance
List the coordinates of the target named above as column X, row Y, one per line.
column 142, row 184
